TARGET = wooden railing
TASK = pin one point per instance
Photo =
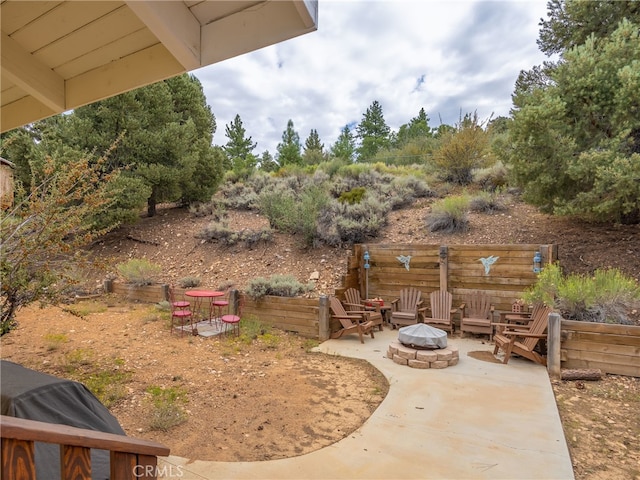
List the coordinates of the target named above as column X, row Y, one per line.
column 131, row 458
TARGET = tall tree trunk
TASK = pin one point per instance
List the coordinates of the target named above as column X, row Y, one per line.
column 151, row 205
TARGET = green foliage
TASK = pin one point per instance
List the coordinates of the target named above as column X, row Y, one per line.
column 343, row 223
column 485, row 202
column 138, row 271
column 277, row 285
column 353, row 196
column 449, row 215
column 491, row 178
column 167, row 131
column 108, row 385
column 576, row 134
column 608, row 296
column 373, row 132
column 55, row 340
column 167, row 407
column 405, row 189
column 239, row 148
column 462, row 151
column 289, row 148
column 345, row 147
column 572, row 22
column 43, row 235
column 546, row 287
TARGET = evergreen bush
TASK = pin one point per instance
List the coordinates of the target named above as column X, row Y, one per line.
column 449, row 215
column 139, row 271
column 277, row 285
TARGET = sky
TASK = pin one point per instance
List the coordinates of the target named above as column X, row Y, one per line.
column 449, row 57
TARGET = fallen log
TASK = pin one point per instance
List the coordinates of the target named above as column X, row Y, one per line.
column 581, row 374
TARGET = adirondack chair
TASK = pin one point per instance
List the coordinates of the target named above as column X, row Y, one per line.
column 521, row 342
column 477, row 315
column 407, row 309
column 441, row 311
column 355, row 304
column 352, row 322
column 519, row 321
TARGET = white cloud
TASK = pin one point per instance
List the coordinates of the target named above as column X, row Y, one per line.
column 446, row 56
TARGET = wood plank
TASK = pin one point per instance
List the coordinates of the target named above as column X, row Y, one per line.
column 591, row 356
column 123, row 465
column 75, row 461
column 630, row 330
column 615, row 369
column 602, row 338
column 602, row 346
column 18, row 459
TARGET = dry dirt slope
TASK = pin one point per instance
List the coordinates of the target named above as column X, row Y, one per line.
column 169, row 239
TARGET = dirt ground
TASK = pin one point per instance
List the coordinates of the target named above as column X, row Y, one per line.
column 272, row 398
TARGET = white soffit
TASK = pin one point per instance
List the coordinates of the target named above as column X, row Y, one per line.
column 59, row 55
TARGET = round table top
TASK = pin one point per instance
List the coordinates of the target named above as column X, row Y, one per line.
column 203, row 293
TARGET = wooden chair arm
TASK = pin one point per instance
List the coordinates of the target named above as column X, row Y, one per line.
column 346, row 304
column 514, row 333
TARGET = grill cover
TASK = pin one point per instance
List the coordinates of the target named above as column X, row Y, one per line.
column 422, row 335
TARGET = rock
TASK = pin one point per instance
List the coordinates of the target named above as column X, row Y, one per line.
column 314, row 275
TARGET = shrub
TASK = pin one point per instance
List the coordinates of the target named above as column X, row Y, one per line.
column 546, row 287
column 485, row 202
column 462, row 151
column 279, row 206
column 189, row 282
column 353, row 196
column 491, row 178
column 449, row 215
column 606, row 297
column 277, row 285
column 219, row 232
column 341, row 223
column 138, row 271
column 167, row 411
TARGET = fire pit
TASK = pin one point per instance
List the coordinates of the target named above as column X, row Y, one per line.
column 422, row 346
column 422, row 336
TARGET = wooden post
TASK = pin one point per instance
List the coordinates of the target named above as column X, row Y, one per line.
column 108, row 285
column 165, row 292
column 553, row 346
column 444, row 268
column 234, row 301
column 323, row 318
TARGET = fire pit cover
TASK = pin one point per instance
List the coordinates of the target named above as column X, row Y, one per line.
column 421, row 335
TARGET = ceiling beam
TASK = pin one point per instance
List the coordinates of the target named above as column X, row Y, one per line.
column 259, row 26
column 175, row 26
column 34, row 77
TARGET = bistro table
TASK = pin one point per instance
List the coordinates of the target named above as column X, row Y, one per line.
column 198, row 296
column 385, row 310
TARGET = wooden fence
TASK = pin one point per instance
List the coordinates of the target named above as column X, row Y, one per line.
column 503, row 271
column 611, row 348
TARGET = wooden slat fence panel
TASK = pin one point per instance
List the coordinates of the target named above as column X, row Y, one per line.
column 613, row 349
column 298, row 315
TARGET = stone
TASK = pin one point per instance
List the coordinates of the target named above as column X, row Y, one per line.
column 440, row 364
column 445, row 354
column 405, row 352
column 455, row 351
column 418, row 364
column 427, row 356
column 400, row 360
column 453, row 361
column 314, row 275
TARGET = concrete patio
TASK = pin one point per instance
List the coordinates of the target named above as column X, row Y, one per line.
column 473, row 420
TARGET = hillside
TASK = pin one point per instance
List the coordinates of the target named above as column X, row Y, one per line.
column 169, row 240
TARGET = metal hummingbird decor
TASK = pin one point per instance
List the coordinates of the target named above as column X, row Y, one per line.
column 404, row 259
column 487, row 262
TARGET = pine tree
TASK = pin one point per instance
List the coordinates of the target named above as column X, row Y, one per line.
column 313, row 149
column 373, row 132
column 345, row 146
column 289, row 149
